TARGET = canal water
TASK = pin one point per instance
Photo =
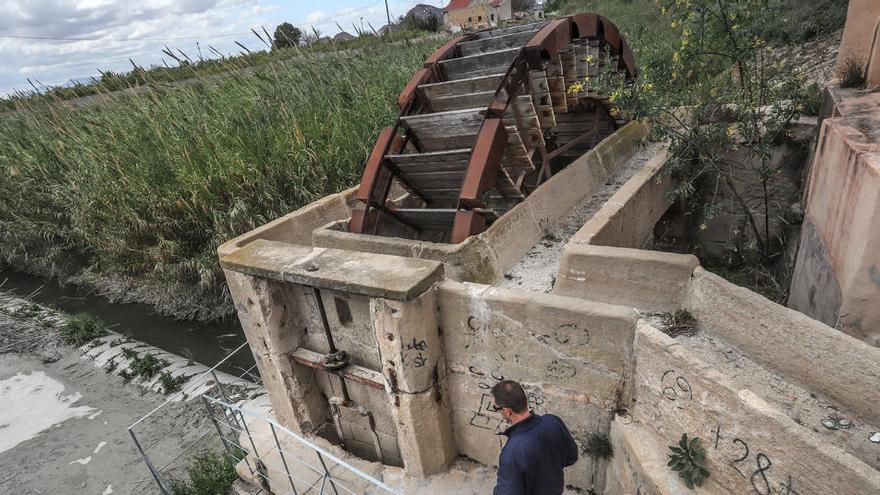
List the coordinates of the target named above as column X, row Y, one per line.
column 206, row 343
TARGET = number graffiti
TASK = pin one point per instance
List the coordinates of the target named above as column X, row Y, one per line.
column 675, row 386
column 759, row 477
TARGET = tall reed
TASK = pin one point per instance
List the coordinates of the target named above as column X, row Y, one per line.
column 137, row 192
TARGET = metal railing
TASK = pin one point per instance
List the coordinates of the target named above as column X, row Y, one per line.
column 283, row 460
column 166, row 436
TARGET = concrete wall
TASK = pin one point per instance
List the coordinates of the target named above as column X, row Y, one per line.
column 382, row 311
column 572, row 357
column 837, row 275
column 486, row 257
column 751, row 447
column 647, row 280
column 858, row 35
column 629, row 216
column 800, row 348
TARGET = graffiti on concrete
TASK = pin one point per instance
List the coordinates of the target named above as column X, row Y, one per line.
column 755, row 469
column 486, row 416
column 675, row 386
column 412, row 353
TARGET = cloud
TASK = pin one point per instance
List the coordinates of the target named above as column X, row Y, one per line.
column 113, row 32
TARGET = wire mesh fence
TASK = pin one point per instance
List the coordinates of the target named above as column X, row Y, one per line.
column 169, row 436
column 278, row 458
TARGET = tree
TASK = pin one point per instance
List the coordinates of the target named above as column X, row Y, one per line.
column 287, row 35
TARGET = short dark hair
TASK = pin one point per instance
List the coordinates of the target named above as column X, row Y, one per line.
column 508, row 393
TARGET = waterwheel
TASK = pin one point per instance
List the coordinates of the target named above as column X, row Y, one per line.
column 488, row 118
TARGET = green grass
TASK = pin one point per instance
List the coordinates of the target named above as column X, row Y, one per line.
column 146, row 187
column 209, row 474
column 81, row 328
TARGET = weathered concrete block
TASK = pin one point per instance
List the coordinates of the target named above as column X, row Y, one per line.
column 799, row 347
column 648, row 280
column 749, row 444
column 374, row 275
column 858, row 34
column 629, row 216
column 639, row 463
column 425, row 432
column 843, row 205
column 409, row 339
column 575, row 344
column 616, row 149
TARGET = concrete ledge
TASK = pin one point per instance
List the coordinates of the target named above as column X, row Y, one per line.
column 629, row 216
column 297, row 227
column 742, row 434
column 373, row 275
column 805, row 350
column 648, row 280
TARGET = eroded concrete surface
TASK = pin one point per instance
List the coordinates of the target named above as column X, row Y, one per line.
column 67, row 421
column 537, row 269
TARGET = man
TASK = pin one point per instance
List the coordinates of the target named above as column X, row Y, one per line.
column 538, row 447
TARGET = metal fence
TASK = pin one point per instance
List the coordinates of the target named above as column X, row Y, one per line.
column 180, row 427
column 284, row 460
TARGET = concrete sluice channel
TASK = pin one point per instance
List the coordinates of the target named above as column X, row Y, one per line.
column 203, row 342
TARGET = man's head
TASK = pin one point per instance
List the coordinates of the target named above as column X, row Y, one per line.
column 510, row 400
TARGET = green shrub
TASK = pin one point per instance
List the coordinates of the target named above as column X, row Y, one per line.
column 852, row 74
column 688, row 459
column 171, row 384
column 147, row 366
column 81, row 328
column 209, row 474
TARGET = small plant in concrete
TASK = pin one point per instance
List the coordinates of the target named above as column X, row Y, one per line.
column 126, row 375
column 171, row 384
column 129, row 353
column 679, row 322
column 852, row 73
column 688, row 459
column 81, row 328
column 147, row 366
column 598, row 446
column 209, row 474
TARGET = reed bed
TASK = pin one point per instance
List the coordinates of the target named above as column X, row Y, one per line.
column 134, row 195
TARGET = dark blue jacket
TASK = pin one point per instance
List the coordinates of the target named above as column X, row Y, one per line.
column 537, row 450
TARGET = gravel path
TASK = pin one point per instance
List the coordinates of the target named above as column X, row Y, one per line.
column 537, row 269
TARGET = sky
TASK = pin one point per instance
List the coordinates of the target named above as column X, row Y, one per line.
column 88, row 35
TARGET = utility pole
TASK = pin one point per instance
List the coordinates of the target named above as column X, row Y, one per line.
column 388, row 14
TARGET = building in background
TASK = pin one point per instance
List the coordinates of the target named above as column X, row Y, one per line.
column 476, row 14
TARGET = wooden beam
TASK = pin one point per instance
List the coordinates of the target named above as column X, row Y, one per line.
column 484, row 163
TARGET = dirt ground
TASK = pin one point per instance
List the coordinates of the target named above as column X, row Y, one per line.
column 66, row 430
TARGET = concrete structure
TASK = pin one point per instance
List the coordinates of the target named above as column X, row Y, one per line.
column 860, row 32
column 476, row 14
column 428, row 334
column 837, row 275
column 426, row 347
